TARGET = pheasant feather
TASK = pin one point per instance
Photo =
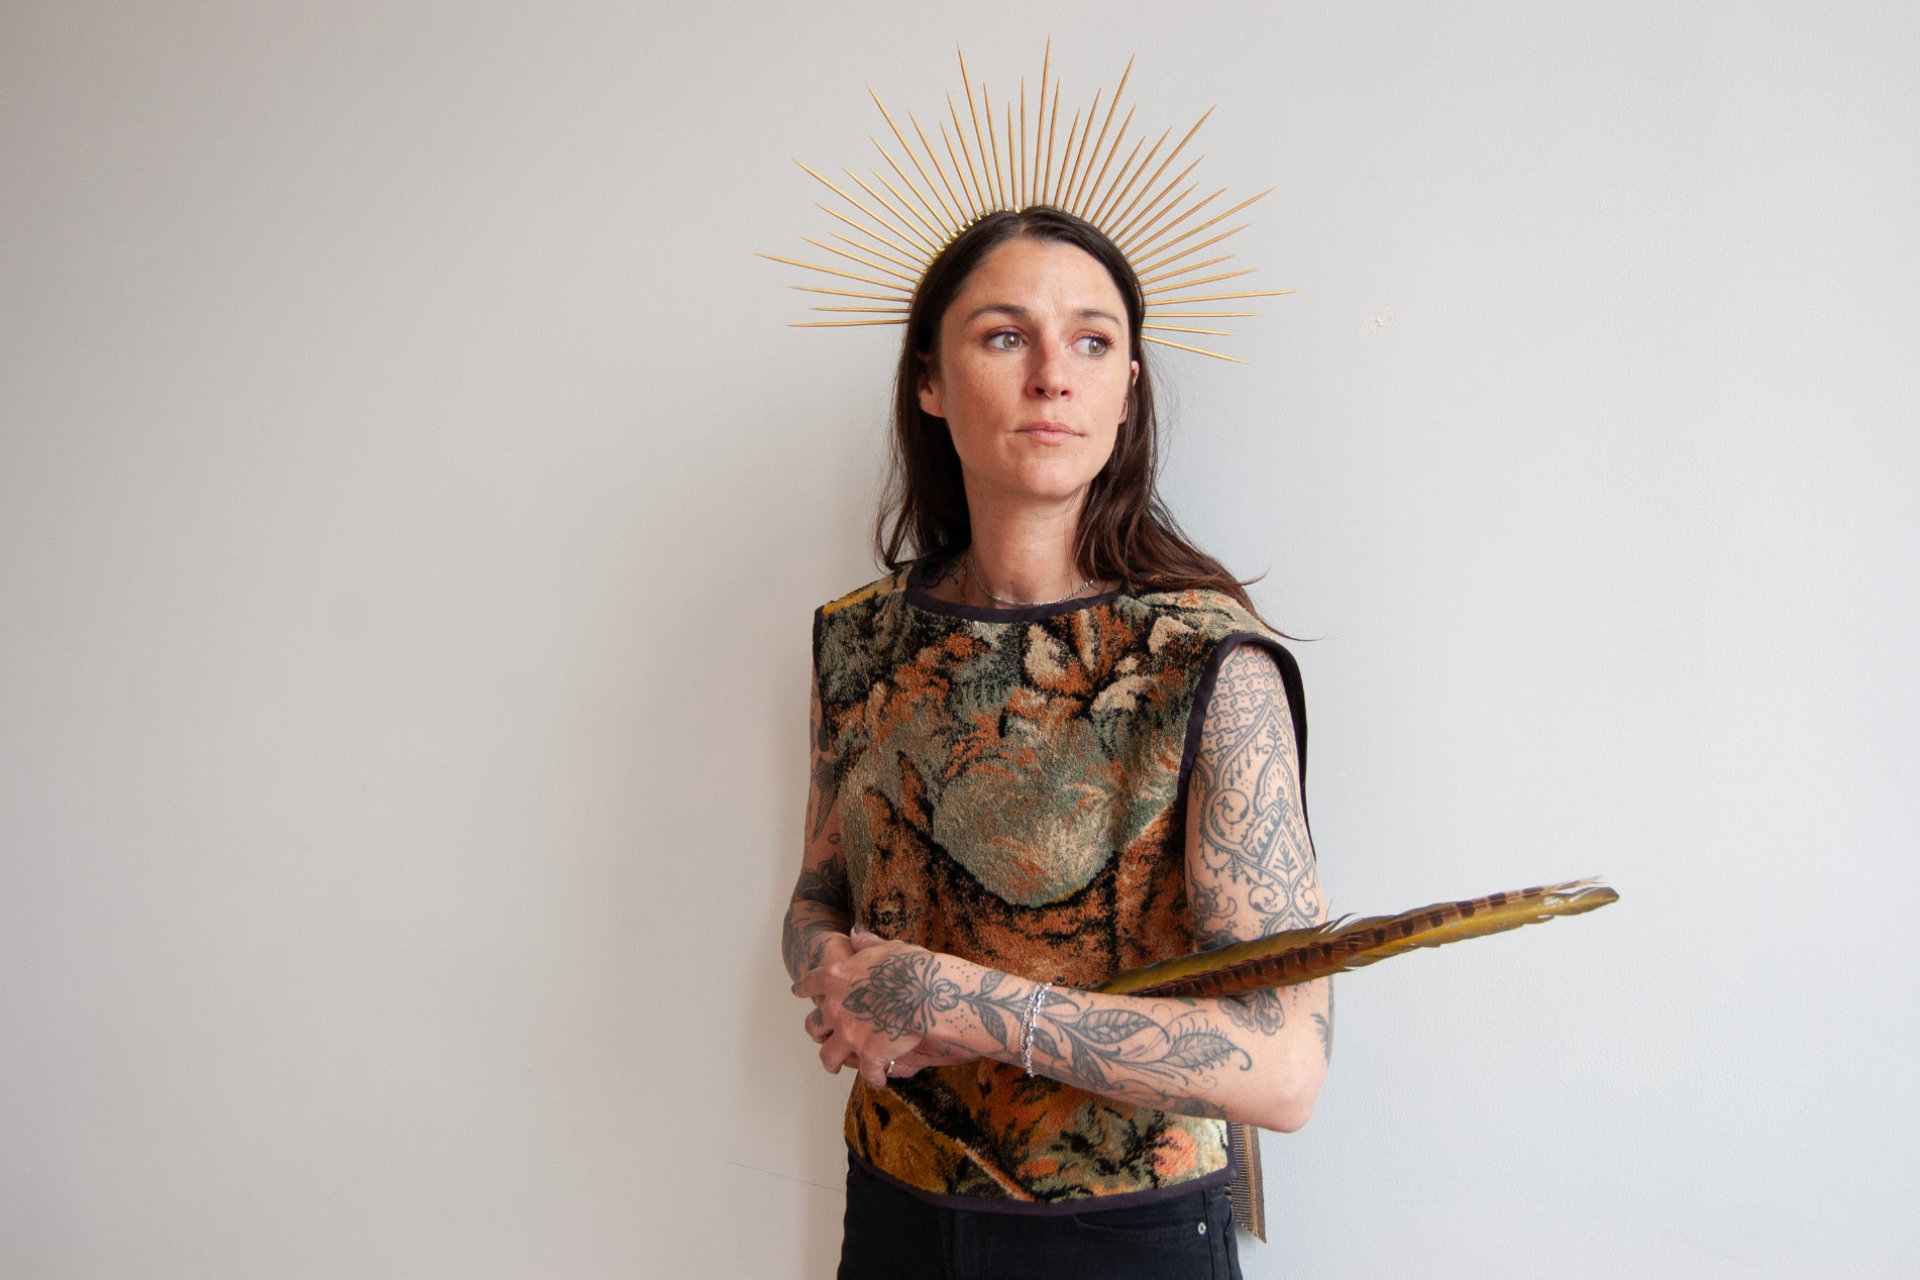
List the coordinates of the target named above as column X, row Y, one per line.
column 1301, row 955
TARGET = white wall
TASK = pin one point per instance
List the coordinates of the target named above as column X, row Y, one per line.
column 411, row 506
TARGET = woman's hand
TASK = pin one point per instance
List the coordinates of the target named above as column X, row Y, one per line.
column 834, row 947
column 867, row 1012
column 931, row 1052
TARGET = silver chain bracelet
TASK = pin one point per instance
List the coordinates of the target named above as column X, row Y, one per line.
column 1026, row 1027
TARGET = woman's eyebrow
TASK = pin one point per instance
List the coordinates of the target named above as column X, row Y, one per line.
column 1021, row 313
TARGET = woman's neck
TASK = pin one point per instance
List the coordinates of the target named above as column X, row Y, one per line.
column 1025, row 556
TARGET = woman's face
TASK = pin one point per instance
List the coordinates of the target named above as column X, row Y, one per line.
column 1031, row 372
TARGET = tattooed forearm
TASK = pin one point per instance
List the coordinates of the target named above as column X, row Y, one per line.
column 1258, row 1011
column 1186, row 1105
column 803, row 942
column 823, row 789
column 1146, row 1052
column 1262, row 1011
column 821, row 909
column 822, row 905
column 825, row 883
column 804, row 936
column 1323, row 1023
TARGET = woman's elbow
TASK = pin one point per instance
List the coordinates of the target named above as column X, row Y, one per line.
column 1290, row 1117
column 1289, row 1106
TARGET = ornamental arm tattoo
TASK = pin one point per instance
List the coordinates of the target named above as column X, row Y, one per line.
column 1169, row 1054
column 822, row 904
column 1250, row 862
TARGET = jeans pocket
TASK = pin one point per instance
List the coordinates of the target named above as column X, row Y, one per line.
column 1181, row 1219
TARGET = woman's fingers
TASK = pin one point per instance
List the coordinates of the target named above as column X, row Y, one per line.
column 834, row 1054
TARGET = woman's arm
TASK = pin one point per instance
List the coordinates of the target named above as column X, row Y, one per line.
column 821, row 911
column 1250, row 869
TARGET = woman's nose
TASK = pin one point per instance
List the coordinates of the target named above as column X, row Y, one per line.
column 1050, row 376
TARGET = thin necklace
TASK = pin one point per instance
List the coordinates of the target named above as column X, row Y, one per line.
column 970, row 570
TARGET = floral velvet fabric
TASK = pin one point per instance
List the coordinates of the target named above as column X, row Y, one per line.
column 1010, row 790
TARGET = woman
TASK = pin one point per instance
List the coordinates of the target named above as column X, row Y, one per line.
column 1056, row 743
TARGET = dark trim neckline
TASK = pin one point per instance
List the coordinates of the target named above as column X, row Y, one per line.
column 918, row 596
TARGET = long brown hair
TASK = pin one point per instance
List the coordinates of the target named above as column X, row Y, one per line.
column 1126, row 532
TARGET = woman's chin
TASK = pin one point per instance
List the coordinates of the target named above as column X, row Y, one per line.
column 1041, row 485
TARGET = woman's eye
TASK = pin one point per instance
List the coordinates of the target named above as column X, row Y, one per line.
column 1005, row 340
column 1095, row 345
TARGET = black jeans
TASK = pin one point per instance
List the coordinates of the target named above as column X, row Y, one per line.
column 891, row 1235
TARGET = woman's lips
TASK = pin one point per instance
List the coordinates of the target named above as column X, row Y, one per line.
column 1053, row 432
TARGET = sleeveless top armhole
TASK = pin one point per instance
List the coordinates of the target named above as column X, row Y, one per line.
column 1296, row 708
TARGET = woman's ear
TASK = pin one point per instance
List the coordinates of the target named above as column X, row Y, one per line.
column 929, row 387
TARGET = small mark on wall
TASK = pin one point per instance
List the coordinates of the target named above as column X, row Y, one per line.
column 1378, row 324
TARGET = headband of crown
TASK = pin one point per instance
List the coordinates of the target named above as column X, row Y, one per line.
column 1148, row 216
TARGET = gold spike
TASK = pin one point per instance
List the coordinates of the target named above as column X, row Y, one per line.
column 1020, row 175
column 1013, row 174
column 1194, row 284
column 846, row 293
column 1093, row 195
column 1058, row 180
column 1178, row 147
column 883, row 311
column 1145, row 214
column 1165, row 342
column 871, row 266
column 1053, row 128
column 1139, row 246
column 960, row 216
column 908, row 148
column 1196, row 315
column 1163, row 328
column 1039, row 117
column 812, row 266
column 1196, row 248
column 977, row 206
column 975, row 192
column 993, row 138
column 938, row 237
column 1111, row 108
column 1165, row 209
column 842, row 324
column 941, row 232
column 910, row 266
column 1066, row 188
column 1097, row 215
column 1225, row 297
column 990, row 199
column 899, row 218
column 881, row 200
column 878, row 220
column 1163, row 247
column 1119, row 192
column 1180, row 271
column 871, row 234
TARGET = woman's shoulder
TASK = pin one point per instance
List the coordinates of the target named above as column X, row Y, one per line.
column 1214, row 614
column 879, row 587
